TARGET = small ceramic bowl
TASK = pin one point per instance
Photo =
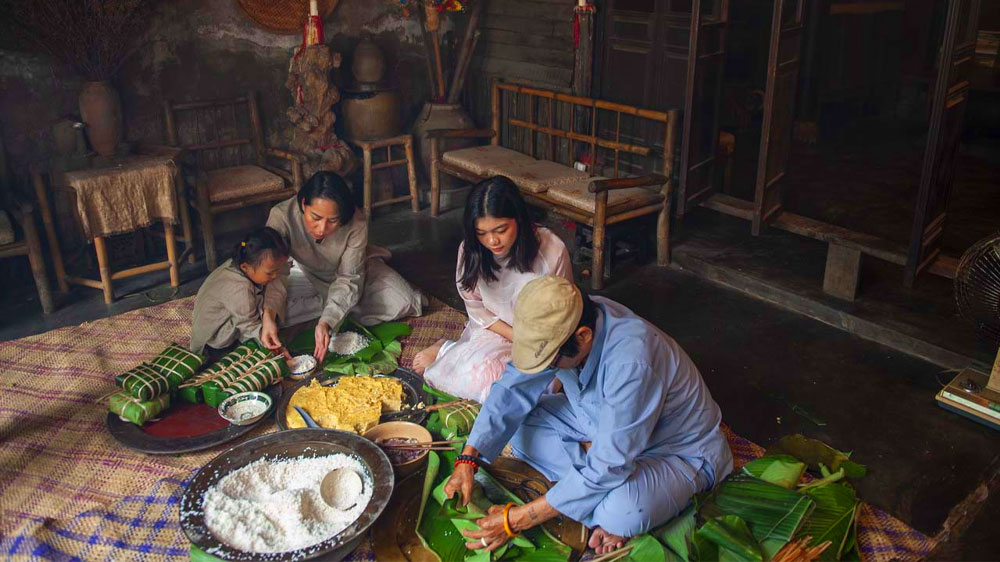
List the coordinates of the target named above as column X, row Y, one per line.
column 301, row 366
column 245, row 408
column 402, row 430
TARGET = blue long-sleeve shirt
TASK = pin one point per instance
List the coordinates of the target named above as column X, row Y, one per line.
column 638, row 394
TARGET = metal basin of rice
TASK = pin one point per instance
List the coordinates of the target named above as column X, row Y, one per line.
column 302, row 443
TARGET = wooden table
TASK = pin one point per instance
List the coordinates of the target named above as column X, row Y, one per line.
column 64, row 179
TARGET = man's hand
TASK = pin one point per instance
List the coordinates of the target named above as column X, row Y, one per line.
column 322, row 336
column 461, row 481
column 491, row 534
column 269, row 332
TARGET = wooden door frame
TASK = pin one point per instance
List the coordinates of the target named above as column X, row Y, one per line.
column 927, row 232
column 685, row 200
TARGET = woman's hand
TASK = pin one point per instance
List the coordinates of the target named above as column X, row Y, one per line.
column 491, row 534
column 269, row 332
column 461, row 481
column 322, row 336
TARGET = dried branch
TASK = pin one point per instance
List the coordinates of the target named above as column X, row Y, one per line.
column 92, row 36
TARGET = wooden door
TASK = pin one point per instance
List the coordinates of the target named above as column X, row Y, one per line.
column 779, row 106
column 702, row 95
column 951, row 91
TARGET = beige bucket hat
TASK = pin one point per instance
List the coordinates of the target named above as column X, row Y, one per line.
column 547, row 312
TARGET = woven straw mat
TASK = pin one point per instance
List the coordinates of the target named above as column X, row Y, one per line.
column 69, row 491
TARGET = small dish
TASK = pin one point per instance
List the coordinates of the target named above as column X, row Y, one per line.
column 245, row 408
column 402, row 430
column 301, row 366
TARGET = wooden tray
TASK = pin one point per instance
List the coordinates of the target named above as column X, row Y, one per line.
column 413, row 390
column 140, row 438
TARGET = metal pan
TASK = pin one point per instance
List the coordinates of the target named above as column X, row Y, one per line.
column 413, row 394
column 303, row 443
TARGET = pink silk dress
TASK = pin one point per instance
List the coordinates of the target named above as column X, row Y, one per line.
column 469, row 366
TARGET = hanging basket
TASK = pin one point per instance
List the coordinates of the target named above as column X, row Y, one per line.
column 284, row 16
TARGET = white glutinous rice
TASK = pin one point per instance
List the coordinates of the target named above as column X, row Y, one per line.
column 347, row 343
column 301, row 364
column 276, row 506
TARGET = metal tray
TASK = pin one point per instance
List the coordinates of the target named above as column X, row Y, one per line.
column 413, row 390
column 133, row 436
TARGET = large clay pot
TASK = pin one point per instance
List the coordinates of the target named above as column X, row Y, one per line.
column 440, row 116
column 370, row 115
column 101, row 110
column 368, row 63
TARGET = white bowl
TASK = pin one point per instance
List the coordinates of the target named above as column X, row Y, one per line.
column 300, row 366
column 245, row 408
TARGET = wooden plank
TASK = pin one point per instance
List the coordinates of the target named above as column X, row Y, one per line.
column 730, row 205
column 871, row 245
column 843, row 267
column 546, row 76
column 560, row 29
column 528, row 40
column 546, row 57
column 551, row 11
column 863, row 8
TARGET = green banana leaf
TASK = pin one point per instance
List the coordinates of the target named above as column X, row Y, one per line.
column 199, row 555
column 783, row 470
column 733, row 538
column 676, row 534
column 440, row 395
column 645, row 548
column 814, row 452
column 388, row 332
column 774, row 514
column 833, row 519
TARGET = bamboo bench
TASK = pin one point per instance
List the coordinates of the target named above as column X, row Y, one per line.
column 552, row 132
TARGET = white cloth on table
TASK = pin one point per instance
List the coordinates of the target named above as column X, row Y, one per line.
column 468, row 366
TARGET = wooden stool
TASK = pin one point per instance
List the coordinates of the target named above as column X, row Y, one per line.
column 406, row 141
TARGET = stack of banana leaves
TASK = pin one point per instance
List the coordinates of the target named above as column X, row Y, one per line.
column 146, row 389
column 770, row 510
column 379, row 357
column 249, row 367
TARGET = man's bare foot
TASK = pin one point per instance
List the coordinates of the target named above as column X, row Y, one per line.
column 604, row 542
column 424, row 358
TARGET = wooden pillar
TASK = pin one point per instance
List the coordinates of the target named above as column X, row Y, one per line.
column 843, row 267
column 583, row 63
column 366, row 150
column 597, row 262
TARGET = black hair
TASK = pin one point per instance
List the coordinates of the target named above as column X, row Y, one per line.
column 259, row 243
column 496, row 197
column 328, row 185
column 588, row 318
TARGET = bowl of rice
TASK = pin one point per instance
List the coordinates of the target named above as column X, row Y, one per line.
column 261, row 500
column 301, row 366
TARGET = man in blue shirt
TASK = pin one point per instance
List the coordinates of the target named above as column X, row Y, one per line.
column 632, row 437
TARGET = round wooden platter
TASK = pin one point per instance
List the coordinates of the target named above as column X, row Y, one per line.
column 394, row 535
column 413, row 390
column 139, row 438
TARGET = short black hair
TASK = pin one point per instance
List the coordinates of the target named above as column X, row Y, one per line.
column 496, row 197
column 328, row 185
column 588, row 318
column 259, row 243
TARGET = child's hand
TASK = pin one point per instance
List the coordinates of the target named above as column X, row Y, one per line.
column 269, row 333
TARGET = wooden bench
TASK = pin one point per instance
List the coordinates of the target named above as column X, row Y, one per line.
column 536, row 138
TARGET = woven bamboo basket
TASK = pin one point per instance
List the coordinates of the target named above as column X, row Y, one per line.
column 284, row 16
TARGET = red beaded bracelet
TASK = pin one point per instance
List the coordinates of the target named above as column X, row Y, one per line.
column 475, row 465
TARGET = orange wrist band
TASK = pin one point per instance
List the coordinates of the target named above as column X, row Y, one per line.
column 506, row 520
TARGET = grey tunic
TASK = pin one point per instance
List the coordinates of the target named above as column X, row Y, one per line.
column 229, row 307
column 339, row 270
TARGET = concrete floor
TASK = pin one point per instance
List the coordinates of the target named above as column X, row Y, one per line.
column 762, row 363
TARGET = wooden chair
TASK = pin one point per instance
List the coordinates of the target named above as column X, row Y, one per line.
column 225, row 144
column 30, row 245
